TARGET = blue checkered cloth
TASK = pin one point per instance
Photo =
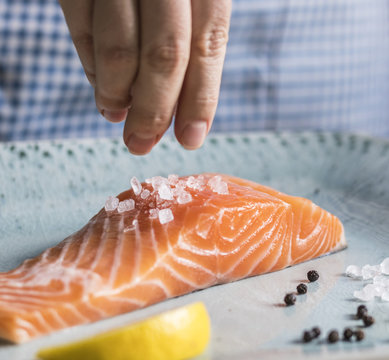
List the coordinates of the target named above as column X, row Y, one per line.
column 301, row 64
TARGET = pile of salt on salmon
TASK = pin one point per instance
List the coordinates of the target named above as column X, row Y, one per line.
column 160, row 239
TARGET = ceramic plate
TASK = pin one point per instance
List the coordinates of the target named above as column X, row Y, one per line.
column 50, row 189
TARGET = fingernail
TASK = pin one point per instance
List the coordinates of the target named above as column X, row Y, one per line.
column 114, row 116
column 194, row 134
column 139, row 145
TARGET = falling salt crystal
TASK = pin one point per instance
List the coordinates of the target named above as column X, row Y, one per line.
column 369, row 271
column 184, row 197
column 136, row 185
column 385, row 266
column 153, row 213
column 126, row 205
column 385, row 296
column 111, row 204
column 165, row 216
column 165, row 192
column 353, row 271
column 145, row 194
column 173, row 179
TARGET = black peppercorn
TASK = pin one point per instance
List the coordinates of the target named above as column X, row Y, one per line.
column 368, row 320
column 333, row 336
column 302, row 289
column 307, row 336
column 359, row 335
column 316, row 331
column 347, row 334
column 289, row 299
column 312, row 275
column 362, row 310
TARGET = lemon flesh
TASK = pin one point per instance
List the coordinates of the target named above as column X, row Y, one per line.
column 178, row 334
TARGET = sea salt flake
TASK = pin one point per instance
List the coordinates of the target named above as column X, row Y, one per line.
column 136, row 185
column 111, row 203
column 184, row 197
column 354, row 271
column 165, row 192
column 145, row 194
column 173, row 179
column 369, row 271
column 385, row 266
column 217, row 185
column 165, row 216
column 126, row 205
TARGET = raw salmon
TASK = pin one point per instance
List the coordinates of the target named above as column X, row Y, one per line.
column 161, row 239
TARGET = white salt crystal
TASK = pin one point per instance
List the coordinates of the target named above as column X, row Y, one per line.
column 145, row 194
column 371, row 289
column 385, row 296
column 111, row 204
column 201, row 179
column 191, row 181
column 361, row 295
column 385, row 266
column 184, row 197
column 217, row 185
column 369, row 271
column 165, row 216
column 151, row 204
column 173, row 179
column 126, row 205
column 153, row 213
column 157, row 181
column 135, row 222
column 353, row 271
column 181, row 184
column 165, row 192
column 148, row 181
column 381, row 280
column 136, row 185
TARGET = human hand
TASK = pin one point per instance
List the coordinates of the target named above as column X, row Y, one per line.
column 150, row 59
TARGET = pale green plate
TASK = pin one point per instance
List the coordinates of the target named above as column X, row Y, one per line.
column 50, row 189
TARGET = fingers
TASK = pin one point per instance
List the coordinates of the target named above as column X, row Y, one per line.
column 115, row 31
column 165, row 48
column 78, row 15
column 200, row 91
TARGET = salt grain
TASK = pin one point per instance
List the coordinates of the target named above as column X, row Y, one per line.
column 157, row 181
column 369, row 271
column 184, row 197
column 145, row 194
column 111, row 204
column 165, row 216
column 385, row 266
column 165, row 192
column 173, row 179
column 126, row 205
column 385, row 295
column 136, row 185
column 354, row 271
column 217, row 185
column 153, row 213
column 362, row 295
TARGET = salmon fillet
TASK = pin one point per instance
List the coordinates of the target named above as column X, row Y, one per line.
column 183, row 234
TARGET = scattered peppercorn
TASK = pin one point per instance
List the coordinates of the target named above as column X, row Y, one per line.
column 359, row 335
column 289, row 299
column 333, row 336
column 312, row 275
column 362, row 310
column 347, row 334
column 307, row 336
column 302, row 289
column 368, row 320
column 316, row 331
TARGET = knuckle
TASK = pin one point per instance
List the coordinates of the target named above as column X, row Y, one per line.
column 211, row 43
column 167, row 57
column 154, row 123
column 116, row 55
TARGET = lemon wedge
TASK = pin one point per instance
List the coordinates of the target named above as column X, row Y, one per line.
column 178, row 334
